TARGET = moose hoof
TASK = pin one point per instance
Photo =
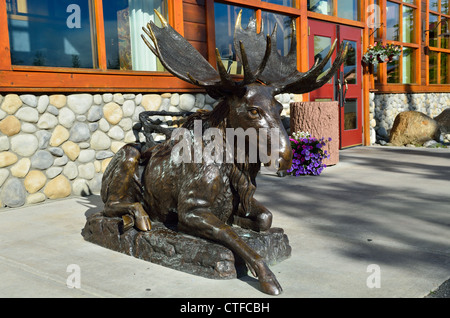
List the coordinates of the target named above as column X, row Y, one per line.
column 127, row 222
column 267, row 280
column 143, row 223
column 271, row 287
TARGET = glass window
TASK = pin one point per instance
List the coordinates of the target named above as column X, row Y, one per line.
column 322, row 46
column 349, row 9
column 433, row 67
column 393, row 71
column 408, row 24
column 51, row 33
column 351, row 114
column 434, row 5
column 225, row 19
column 433, row 33
column 444, row 29
column 284, row 30
column 445, row 74
column 392, row 21
column 321, row 6
column 408, row 64
column 350, row 65
column 444, row 6
column 124, row 20
column 286, row 3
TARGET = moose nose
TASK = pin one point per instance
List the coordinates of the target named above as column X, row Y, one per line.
column 284, row 162
column 283, row 166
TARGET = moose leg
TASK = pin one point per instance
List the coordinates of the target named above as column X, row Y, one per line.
column 121, row 189
column 259, row 218
column 131, row 213
column 202, row 223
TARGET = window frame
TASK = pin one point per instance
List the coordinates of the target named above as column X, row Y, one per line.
column 382, row 85
column 16, row 78
column 335, row 18
column 438, row 49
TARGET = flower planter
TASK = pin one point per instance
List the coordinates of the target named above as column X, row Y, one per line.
column 320, row 119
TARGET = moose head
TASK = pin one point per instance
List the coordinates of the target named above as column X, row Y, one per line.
column 251, row 101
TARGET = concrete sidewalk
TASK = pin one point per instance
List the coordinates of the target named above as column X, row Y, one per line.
column 381, row 210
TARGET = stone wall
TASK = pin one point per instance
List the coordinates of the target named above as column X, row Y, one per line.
column 55, row 146
column 385, row 107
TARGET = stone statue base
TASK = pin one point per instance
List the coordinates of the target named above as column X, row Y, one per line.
column 179, row 251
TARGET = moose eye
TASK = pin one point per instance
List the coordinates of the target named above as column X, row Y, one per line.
column 253, row 111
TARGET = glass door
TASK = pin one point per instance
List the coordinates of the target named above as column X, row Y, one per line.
column 350, row 79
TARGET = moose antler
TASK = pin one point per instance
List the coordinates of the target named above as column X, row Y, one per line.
column 281, row 71
column 269, row 67
column 169, row 46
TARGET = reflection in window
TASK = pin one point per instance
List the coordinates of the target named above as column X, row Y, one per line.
column 434, row 5
column 392, row 21
column 444, row 29
column 225, row 19
column 350, row 114
column 322, row 46
column 286, row 3
column 284, row 30
column 321, row 6
column 349, row 9
column 50, row 33
column 376, row 74
column 408, row 24
column 350, row 65
column 376, row 19
column 433, row 33
column 445, row 74
column 444, row 6
column 124, row 20
column 433, row 67
column 408, row 66
column 393, row 71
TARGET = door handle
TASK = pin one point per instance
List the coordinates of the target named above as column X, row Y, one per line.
column 344, row 93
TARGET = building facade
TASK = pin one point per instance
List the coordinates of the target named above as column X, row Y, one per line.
column 75, row 74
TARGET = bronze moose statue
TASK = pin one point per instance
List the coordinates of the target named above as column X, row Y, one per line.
column 206, row 199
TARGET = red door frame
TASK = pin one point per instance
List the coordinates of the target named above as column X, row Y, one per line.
column 333, row 31
column 327, row 30
column 352, row 137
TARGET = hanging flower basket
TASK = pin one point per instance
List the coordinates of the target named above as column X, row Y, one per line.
column 379, row 53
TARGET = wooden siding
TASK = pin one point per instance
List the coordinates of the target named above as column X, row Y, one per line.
column 195, row 30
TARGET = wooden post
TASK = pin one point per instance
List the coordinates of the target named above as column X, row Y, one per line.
column 5, row 54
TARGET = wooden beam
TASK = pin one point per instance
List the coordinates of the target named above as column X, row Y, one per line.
column 302, row 35
column 176, row 16
column 35, row 81
column 366, row 81
column 100, row 34
column 210, row 32
column 5, row 53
